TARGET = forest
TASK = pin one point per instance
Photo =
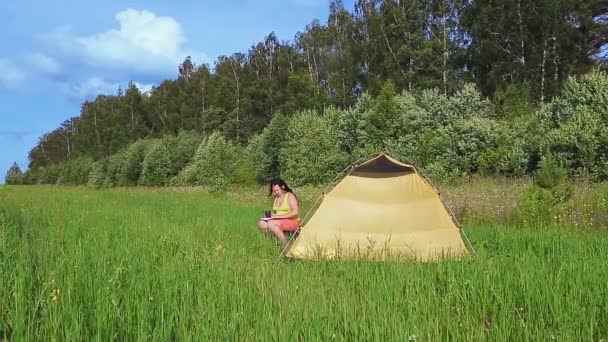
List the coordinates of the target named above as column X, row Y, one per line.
column 458, row 87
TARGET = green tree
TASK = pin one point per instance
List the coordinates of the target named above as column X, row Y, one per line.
column 14, row 175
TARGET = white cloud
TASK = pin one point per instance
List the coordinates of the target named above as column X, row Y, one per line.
column 144, row 87
column 143, row 42
column 11, row 75
column 43, row 63
column 90, row 88
column 94, row 86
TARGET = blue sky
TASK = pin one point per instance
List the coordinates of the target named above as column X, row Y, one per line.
column 55, row 54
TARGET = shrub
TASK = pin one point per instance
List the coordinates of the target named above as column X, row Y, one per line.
column 134, row 158
column 266, row 151
column 76, row 171
column 436, row 104
column 49, row 174
column 14, row 175
column 30, row 177
column 468, row 103
column 183, row 149
column 115, row 169
column 535, row 207
column 310, row 153
column 574, row 126
column 98, row 174
column 350, row 130
column 214, row 164
column 548, row 194
column 157, row 164
column 245, row 167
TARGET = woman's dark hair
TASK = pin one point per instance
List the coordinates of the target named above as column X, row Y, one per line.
column 281, row 183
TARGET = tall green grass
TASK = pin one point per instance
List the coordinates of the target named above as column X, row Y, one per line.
column 78, row 264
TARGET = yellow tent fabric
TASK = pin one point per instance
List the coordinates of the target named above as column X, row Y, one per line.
column 382, row 208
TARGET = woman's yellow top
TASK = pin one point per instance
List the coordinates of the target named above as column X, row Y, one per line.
column 284, row 208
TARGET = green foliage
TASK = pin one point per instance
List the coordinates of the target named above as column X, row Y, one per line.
column 469, row 103
column 469, row 138
column 512, row 101
column 48, row 174
column 75, row 171
column 310, row 153
column 30, row 176
column 14, row 175
column 184, row 148
column 436, row 104
column 535, row 207
column 214, row 165
column 351, row 125
column 588, row 90
column 575, row 125
column 166, row 157
column 449, row 136
column 550, row 174
column 503, row 160
column 267, row 149
column 158, row 164
column 134, row 160
column 99, row 174
column 382, row 115
column 547, row 196
column 115, row 171
column 244, row 173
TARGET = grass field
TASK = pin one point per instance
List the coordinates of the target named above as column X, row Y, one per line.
column 140, row 264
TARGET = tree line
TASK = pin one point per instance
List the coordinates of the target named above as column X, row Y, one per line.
column 447, row 136
column 517, row 54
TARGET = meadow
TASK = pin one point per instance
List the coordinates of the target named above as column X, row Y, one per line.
column 185, row 264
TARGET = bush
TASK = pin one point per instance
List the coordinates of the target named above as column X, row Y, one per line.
column 76, row 171
column 214, row 164
column 98, row 174
column 468, row 103
column 183, row 149
column 134, row 158
column 268, row 145
column 535, row 207
column 48, row 174
column 574, row 126
column 14, row 175
column 310, row 153
column 436, row 104
column 30, row 177
column 245, row 168
column 157, row 164
column 350, row 130
column 548, row 194
column 115, row 169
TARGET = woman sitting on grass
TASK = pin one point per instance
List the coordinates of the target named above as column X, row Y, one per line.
column 285, row 215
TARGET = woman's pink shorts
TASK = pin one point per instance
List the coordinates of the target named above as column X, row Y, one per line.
column 288, row 225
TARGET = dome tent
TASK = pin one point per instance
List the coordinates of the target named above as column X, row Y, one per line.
column 381, row 208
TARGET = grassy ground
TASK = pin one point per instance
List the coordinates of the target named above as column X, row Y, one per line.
column 79, row 264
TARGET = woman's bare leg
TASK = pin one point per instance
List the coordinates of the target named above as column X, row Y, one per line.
column 263, row 226
column 275, row 229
